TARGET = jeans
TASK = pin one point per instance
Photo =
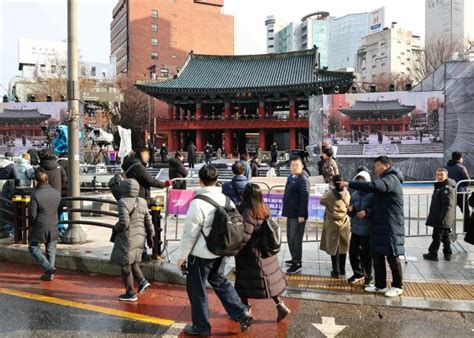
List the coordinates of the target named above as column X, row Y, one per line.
column 212, row 270
column 381, row 271
column 440, row 235
column 295, row 234
column 339, row 263
column 129, row 272
column 359, row 256
column 46, row 261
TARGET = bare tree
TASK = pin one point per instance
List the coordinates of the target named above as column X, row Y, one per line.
column 383, row 82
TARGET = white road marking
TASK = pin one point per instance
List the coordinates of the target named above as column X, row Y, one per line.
column 328, row 327
column 174, row 330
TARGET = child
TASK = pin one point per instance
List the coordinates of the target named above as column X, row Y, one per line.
column 336, row 226
column 133, row 227
column 359, row 254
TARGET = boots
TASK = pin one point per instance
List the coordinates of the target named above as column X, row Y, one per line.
column 283, row 311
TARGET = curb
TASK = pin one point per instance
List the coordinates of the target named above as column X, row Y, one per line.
column 158, row 271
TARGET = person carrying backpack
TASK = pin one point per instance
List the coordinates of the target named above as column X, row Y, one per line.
column 258, row 276
column 206, row 213
column 56, row 173
column 131, row 231
column 235, row 188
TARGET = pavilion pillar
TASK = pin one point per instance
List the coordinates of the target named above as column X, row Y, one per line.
column 178, row 140
column 292, row 108
column 170, row 140
column 292, row 141
column 228, row 141
column 262, row 139
column 227, row 111
column 198, row 110
column 170, row 111
column 199, row 141
column 261, row 109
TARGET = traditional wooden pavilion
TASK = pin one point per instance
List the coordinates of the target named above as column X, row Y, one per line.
column 244, row 101
column 22, row 122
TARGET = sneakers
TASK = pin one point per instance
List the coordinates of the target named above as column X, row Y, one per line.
column 126, row 297
column 144, row 285
column 47, row 277
column 430, row 257
column 193, row 331
column 393, row 292
column 245, row 320
column 283, row 311
column 334, row 274
column 447, row 257
column 294, row 268
column 368, row 282
column 354, row 279
column 289, row 262
column 374, row 289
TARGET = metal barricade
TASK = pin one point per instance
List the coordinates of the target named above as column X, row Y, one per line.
column 462, row 203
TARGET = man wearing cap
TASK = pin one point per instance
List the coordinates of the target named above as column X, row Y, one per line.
column 458, row 172
column 7, row 169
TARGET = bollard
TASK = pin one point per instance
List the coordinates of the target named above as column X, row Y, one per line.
column 156, row 220
column 25, row 201
column 16, row 202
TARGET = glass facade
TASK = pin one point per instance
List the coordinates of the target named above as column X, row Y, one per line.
column 320, row 38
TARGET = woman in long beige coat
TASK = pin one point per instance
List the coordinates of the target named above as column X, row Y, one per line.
column 336, row 233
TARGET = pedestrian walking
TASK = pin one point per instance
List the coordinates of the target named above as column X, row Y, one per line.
column 177, row 170
column 274, row 152
column 8, row 170
column 441, row 215
column 295, row 209
column 387, row 222
column 235, row 188
column 24, row 170
column 163, row 153
column 208, row 153
column 458, row 172
column 246, row 164
column 257, row 277
column 359, row 249
column 191, row 155
column 131, row 231
column 336, row 232
column 330, row 167
column 56, row 173
column 380, row 137
column 43, row 224
column 200, row 264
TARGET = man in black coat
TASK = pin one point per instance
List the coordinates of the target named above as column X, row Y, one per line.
column 57, row 176
column 7, row 169
column 274, row 152
column 191, row 155
column 441, row 215
column 163, row 154
column 387, row 222
column 138, row 172
column 458, row 172
column 43, row 216
column 177, row 170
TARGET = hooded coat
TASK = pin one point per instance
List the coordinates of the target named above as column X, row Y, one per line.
column 24, row 171
column 387, row 220
column 336, row 233
column 361, row 200
column 134, row 225
column 56, row 175
column 256, row 277
column 442, row 205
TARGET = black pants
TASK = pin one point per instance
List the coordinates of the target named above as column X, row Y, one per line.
column 191, row 164
column 339, row 263
column 295, row 235
column 463, row 204
column 129, row 273
column 380, row 269
column 359, row 256
column 440, row 235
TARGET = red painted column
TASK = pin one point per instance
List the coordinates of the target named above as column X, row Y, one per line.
column 292, row 140
column 228, row 141
column 198, row 110
column 199, row 140
column 262, row 139
column 292, row 109
column 170, row 111
column 227, row 111
column 170, row 140
column 261, row 109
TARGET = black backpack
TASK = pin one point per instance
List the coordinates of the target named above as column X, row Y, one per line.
column 270, row 238
column 227, row 230
column 114, row 182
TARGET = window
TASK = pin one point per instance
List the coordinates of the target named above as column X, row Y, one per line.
column 154, row 13
column 173, row 56
column 53, row 69
column 164, row 72
column 174, row 43
column 93, row 71
column 154, row 27
column 154, row 56
column 271, row 38
column 154, row 41
column 174, row 15
column 374, row 66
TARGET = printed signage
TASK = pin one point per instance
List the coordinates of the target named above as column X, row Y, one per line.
column 376, row 20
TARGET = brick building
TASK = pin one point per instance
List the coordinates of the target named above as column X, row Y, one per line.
column 245, row 102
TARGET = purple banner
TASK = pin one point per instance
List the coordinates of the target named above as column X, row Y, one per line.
column 179, row 200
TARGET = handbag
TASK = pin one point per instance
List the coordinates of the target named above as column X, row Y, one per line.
column 114, row 232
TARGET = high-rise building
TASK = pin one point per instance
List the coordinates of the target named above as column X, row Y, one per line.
column 451, row 20
column 337, row 39
column 154, row 37
column 390, row 51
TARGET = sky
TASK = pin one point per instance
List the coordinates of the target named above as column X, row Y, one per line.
column 46, row 20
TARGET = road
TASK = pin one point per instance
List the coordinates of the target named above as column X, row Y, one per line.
column 85, row 305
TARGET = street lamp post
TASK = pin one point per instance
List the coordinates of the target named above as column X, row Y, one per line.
column 74, row 233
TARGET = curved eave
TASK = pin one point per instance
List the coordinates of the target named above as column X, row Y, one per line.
column 388, row 111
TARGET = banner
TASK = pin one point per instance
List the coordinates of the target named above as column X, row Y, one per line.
column 179, row 200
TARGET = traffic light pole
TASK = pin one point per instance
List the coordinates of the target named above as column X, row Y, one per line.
column 74, row 233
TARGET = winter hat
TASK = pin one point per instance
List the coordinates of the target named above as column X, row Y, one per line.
column 329, row 152
column 364, row 174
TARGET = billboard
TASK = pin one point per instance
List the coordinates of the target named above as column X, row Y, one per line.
column 398, row 124
column 376, row 20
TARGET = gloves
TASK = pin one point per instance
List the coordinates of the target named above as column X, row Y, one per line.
column 150, row 242
column 168, row 183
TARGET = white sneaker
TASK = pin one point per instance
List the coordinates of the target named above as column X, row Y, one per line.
column 373, row 289
column 393, row 292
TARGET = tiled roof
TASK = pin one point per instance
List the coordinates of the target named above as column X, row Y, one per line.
column 29, row 114
column 223, row 74
column 388, row 106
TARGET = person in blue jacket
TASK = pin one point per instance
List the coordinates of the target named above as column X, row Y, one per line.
column 387, row 234
column 235, row 188
column 295, row 209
